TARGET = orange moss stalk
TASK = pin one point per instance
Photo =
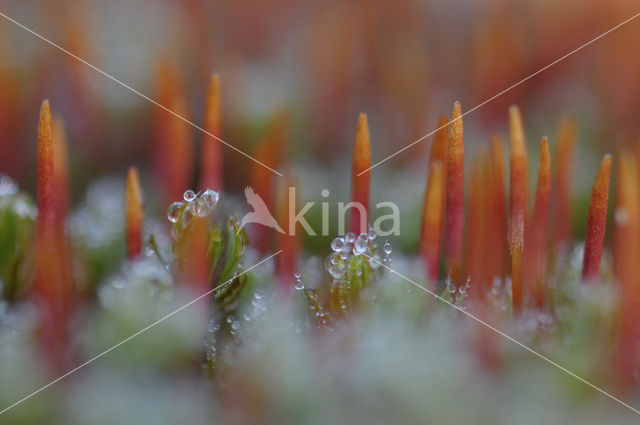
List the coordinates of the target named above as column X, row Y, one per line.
column 360, row 185
column 498, row 210
column 432, row 218
column 455, row 195
column 134, row 212
column 626, row 269
column 562, row 185
column 61, row 170
column 596, row 222
column 51, row 287
column 517, row 203
column 536, row 241
column 211, row 166
column 173, row 153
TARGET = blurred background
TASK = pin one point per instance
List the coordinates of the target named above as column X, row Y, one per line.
column 318, row 63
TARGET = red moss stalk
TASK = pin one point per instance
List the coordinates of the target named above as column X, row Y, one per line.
column 51, row 287
column 360, row 183
column 455, row 195
column 211, row 171
column 596, row 222
column 134, row 212
column 565, row 150
column 626, row 251
column 517, row 203
column 536, row 241
column 432, row 219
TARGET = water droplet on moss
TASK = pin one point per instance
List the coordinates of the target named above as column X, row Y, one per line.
column 210, row 198
column 337, row 244
column 189, row 195
column 174, row 211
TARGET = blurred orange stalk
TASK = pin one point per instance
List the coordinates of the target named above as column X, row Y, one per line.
column 626, row 268
column 455, row 195
column 562, row 224
column 536, row 241
column 61, row 170
column 432, row 218
column 173, row 151
column 360, row 184
column 211, row 166
column 517, row 203
column 288, row 242
column 134, row 213
column 498, row 207
column 596, row 222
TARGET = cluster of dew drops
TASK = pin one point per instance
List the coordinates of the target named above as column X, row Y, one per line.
column 198, row 204
column 348, row 246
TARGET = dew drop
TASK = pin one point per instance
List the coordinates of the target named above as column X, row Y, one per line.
column 387, row 248
column 361, row 246
column 350, row 237
column 372, row 234
column 189, row 195
column 337, row 244
column 210, row 198
column 174, row 211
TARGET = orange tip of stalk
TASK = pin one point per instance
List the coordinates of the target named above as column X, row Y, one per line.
column 439, row 145
column 596, row 221
column 432, row 217
column 455, row 192
column 362, row 146
column 45, row 164
column 360, row 183
column 134, row 212
column 211, row 173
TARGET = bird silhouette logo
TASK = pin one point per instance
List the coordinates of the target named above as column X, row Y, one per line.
column 260, row 213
